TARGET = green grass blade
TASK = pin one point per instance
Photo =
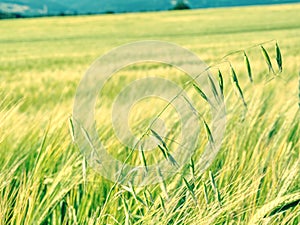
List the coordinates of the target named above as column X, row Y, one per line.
column 160, row 139
column 71, row 128
column 143, row 158
column 215, row 187
column 267, row 59
column 192, row 167
column 205, row 193
column 236, row 83
column 213, row 87
column 203, row 95
column 162, row 183
column 136, row 197
column 278, row 57
column 208, row 132
column 172, row 160
column 126, row 210
column 191, row 191
column 221, row 82
column 248, row 66
column 162, row 202
column 164, row 152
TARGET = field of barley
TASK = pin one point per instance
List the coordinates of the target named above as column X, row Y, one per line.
column 254, row 179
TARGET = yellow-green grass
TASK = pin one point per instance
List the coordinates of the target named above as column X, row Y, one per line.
column 44, row 178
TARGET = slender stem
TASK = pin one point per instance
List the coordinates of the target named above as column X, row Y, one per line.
column 222, row 60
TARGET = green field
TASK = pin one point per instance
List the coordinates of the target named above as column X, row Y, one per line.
column 254, row 179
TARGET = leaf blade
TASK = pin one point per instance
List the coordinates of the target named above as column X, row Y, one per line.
column 221, row 82
column 248, row 66
column 267, row 59
column 278, row 57
column 203, row 95
column 236, row 82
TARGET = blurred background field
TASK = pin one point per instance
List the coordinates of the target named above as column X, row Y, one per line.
column 44, row 178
